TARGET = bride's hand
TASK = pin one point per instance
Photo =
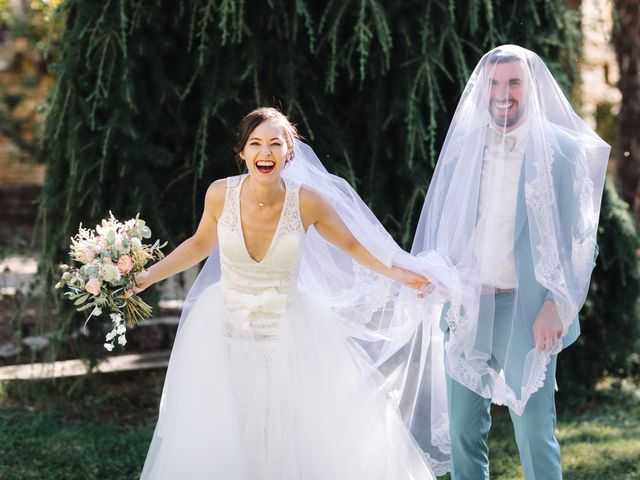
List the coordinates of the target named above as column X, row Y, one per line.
column 140, row 282
column 412, row 280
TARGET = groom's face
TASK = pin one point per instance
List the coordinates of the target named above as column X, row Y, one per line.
column 507, row 94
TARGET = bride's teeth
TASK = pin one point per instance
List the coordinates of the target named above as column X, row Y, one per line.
column 265, row 166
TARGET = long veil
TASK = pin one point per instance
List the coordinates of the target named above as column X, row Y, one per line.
column 385, row 321
column 561, row 178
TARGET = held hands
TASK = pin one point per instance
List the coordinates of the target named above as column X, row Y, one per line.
column 412, row 280
column 547, row 328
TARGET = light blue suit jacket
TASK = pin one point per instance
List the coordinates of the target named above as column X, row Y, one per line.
column 531, row 293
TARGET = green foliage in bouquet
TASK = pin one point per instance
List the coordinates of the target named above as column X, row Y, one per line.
column 110, row 256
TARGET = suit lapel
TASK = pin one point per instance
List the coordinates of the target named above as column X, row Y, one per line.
column 521, row 207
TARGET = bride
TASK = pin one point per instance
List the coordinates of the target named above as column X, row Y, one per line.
column 269, row 376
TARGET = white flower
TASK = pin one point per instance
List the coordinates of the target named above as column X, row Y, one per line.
column 118, row 243
column 394, row 397
column 96, row 312
column 111, row 335
column 103, row 246
column 122, row 340
column 108, row 346
column 116, row 317
column 136, row 247
column 121, row 329
column 110, row 273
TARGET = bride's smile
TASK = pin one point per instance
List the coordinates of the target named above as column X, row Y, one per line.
column 266, row 151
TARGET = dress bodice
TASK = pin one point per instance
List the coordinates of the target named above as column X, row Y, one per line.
column 259, row 291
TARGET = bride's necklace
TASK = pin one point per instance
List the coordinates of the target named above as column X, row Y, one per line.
column 260, row 204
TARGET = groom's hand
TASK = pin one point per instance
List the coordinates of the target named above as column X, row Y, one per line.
column 547, row 328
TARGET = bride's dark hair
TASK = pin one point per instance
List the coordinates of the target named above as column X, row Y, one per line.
column 254, row 118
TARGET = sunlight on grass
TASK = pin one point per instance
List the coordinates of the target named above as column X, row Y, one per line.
column 603, row 446
column 599, row 440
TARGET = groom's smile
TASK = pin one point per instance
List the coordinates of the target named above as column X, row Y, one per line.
column 507, row 94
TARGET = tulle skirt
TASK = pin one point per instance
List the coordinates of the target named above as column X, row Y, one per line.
column 303, row 405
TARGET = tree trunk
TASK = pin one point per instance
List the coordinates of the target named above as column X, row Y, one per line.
column 626, row 41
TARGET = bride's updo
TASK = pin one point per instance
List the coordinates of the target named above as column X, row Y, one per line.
column 254, row 118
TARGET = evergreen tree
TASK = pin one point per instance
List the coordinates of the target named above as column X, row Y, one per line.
column 149, row 94
column 610, row 326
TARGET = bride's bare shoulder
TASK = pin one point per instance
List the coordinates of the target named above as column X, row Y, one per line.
column 312, row 199
column 214, row 200
column 217, row 189
column 313, row 206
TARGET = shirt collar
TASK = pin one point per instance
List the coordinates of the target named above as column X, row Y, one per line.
column 519, row 134
column 514, row 140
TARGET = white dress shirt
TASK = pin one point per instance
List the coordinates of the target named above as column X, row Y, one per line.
column 493, row 245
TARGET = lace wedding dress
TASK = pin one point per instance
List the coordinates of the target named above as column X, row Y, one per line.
column 265, row 384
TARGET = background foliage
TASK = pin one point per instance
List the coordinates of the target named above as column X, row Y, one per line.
column 609, row 343
column 149, row 93
column 25, row 77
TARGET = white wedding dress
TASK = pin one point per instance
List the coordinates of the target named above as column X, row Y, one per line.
column 265, row 384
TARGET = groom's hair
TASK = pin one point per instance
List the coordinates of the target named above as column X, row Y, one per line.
column 254, row 118
column 501, row 57
column 498, row 56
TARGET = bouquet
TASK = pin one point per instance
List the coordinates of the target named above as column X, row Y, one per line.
column 109, row 258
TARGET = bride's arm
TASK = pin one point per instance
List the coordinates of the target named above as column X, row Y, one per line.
column 195, row 248
column 317, row 211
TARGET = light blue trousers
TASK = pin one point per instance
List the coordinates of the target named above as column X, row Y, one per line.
column 470, row 421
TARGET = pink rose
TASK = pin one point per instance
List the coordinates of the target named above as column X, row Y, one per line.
column 125, row 264
column 93, row 286
column 85, row 254
column 90, row 254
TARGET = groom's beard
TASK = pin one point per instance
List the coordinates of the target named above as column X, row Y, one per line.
column 505, row 117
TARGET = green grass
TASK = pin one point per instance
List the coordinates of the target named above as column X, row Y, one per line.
column 45, row 446
column 84, row 428
column 603, row 442
column 100, row 427
column 599, row 438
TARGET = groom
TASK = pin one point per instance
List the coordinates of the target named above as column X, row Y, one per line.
column 515, row 203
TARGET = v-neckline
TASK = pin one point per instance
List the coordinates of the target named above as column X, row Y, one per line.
column 275, row 232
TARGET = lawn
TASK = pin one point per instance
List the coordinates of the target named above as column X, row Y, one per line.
column 99, row 428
